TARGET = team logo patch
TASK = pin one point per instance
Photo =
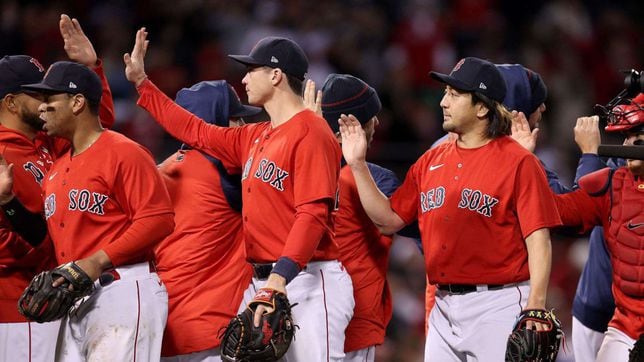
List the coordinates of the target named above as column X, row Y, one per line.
column 50, row 205
column 269, row 172
column 35, row 171
column 87, row 201
column 35, row 62
column 457, row 66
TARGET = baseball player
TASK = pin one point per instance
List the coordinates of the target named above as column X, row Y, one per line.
column 482, row 216
column 289, row 170
column 25, row 145
column 202, row 263
column 364, row 251
column 525, row 96
column 614, row 199
column 106, row 207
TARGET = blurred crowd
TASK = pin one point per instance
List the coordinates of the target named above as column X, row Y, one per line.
column 578, row 47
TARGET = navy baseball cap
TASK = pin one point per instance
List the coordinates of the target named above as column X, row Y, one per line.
column 526, row 90
column 72, row 78
column 18, row 70
column 276, row 52
column 215, row 102
column 475, row 75
column 346, row 94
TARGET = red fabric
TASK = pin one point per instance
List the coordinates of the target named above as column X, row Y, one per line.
column 283, row 168
column 625, row 239
column 93, row 198
column 202, row 263
column 475, row 208
column 364, row 252
column 32, row 159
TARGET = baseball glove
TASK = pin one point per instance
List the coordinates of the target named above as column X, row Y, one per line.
column 527, row 345
column 41, row 302
column 242, row 341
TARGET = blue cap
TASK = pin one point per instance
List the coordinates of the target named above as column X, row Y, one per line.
column 526, row 91
column 276, row 52
column 346, row 94
column 215, row 102
column 18, row 70
column 72, row 78
column 475, row 75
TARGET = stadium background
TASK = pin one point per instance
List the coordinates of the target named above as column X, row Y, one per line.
column 579, row 48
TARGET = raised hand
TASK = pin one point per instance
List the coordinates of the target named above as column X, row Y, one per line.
column 313, row 99
column 134, row 63
column 6, row 181
column 77, row 45
column 521, row 131
column 587, row 134
column 354, row 140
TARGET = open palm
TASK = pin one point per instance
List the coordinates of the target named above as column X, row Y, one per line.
column 354, row 140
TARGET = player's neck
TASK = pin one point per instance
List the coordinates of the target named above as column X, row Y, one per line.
column 474, row 137
column 85, row 134
column 283, row 106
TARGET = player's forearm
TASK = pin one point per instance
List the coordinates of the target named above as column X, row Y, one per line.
column 374, row 202
column 180, row 123
column 106, row 108
column 30, row 226
column 139, row 239
column 308, row 229
column 539, row 262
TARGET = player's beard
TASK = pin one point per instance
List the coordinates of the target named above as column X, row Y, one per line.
column 32, row 119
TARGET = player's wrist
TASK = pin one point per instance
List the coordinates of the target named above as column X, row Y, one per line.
column 6, row 198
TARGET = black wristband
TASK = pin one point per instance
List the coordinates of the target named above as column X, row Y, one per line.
column 30, row 226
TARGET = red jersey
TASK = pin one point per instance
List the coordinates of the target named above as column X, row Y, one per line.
column 202, row 263
column 282, row 168
column 620, row 210
column 475, row 207
column 19, row 261
column 92, row 198
column 364, row 252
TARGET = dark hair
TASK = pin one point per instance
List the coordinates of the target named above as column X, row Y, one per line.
column 500, row 119
column 296, row 84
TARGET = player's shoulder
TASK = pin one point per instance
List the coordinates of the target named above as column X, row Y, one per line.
column 512, row 151
column 121, row 145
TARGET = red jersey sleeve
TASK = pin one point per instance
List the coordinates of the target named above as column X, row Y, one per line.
column 317, row 164
column 106, row 108
column 225, row 144
column 141, row 192
column 535, row 205
column 405, row 201
column 580, row 209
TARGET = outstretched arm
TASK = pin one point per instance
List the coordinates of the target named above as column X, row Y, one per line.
column 80, row 49
column 374, row 202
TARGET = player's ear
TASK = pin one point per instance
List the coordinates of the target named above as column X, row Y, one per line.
column 79, row 102
column 276, row 76
column 482, row 110
column 10, row 103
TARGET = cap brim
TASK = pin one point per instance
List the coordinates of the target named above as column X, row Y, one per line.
column 43, row 88
column 244, row 59
column 246, row 111
column 451, row 81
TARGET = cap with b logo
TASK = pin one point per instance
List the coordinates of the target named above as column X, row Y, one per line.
column 475, row 75
column 18, row 70
column 70, row 77
column 276, row 52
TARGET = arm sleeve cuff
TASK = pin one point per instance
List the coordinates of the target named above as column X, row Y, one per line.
column 286, row 268
column 31, row 227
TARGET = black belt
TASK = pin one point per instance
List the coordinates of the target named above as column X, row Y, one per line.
column 467, row 288
column 262, row 271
